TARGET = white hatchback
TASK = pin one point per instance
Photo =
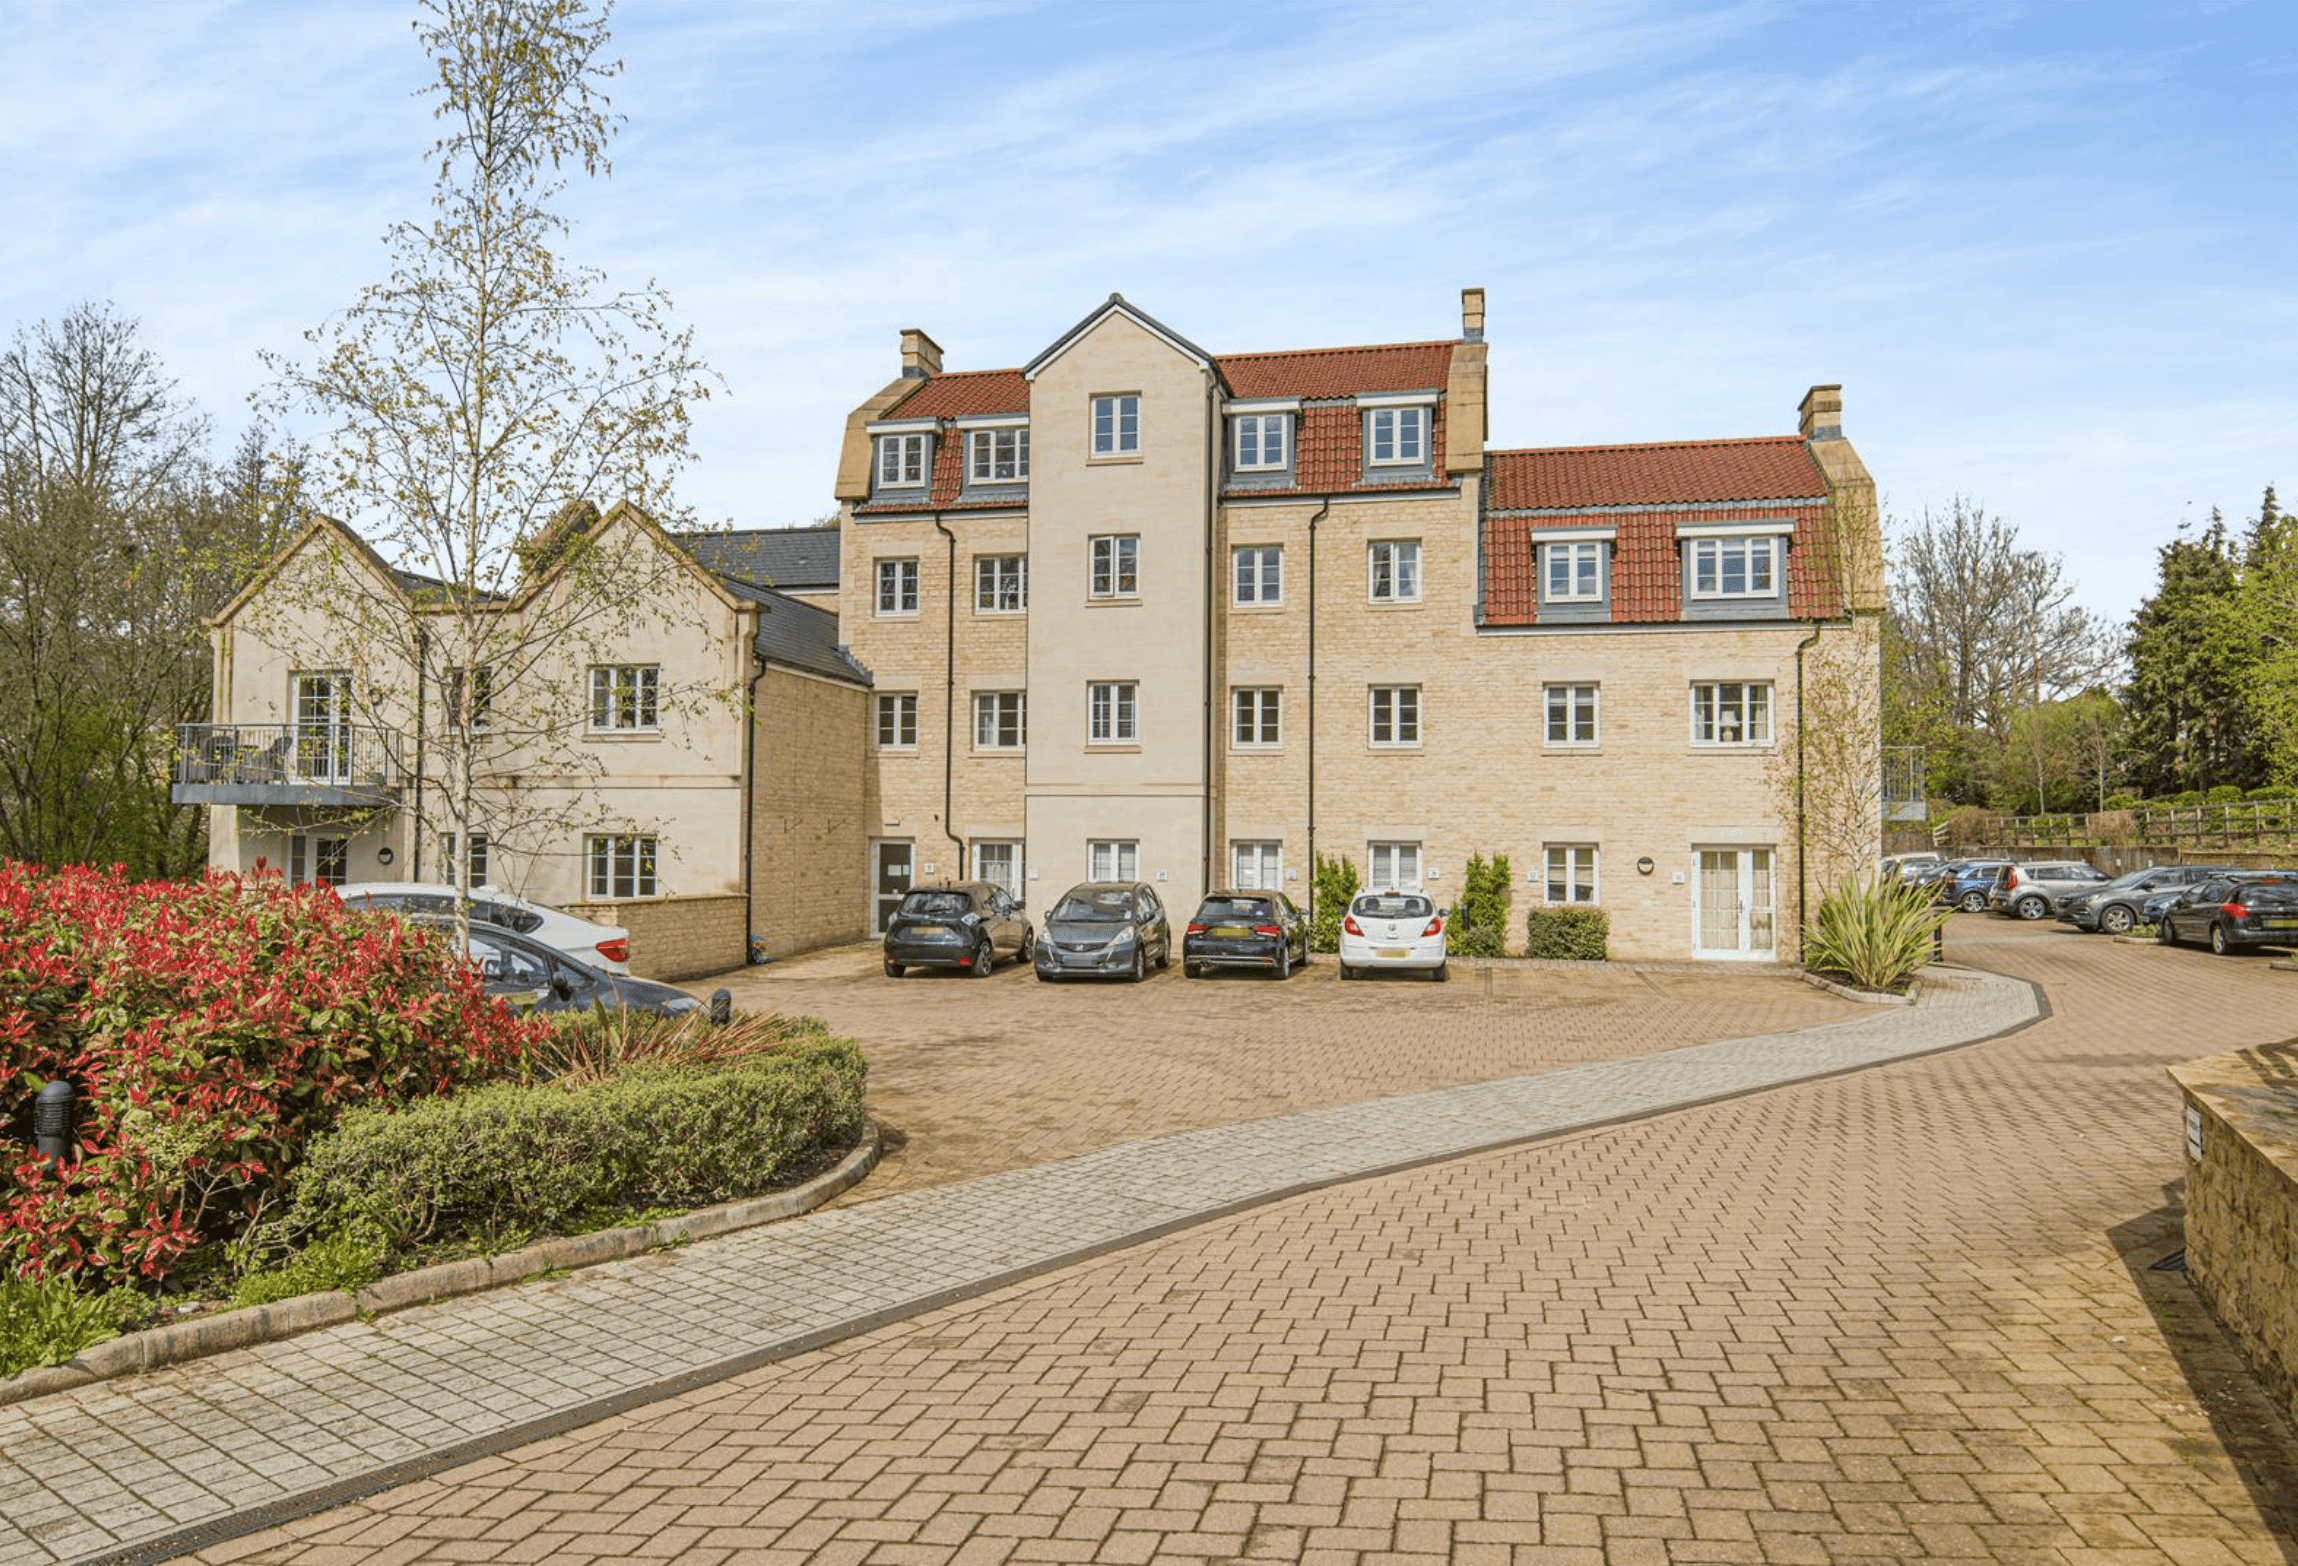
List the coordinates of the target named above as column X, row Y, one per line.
column 601, row 945
column 1401, row 930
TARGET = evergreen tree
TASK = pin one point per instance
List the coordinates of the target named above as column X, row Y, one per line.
column 2191, row 723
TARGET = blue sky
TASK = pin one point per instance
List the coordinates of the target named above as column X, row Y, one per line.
column 2048, row 249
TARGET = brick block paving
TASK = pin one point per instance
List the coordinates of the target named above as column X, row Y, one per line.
column 1898, row 1314
column 110, row 1465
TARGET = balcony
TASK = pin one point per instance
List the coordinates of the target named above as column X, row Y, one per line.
column 313, row 763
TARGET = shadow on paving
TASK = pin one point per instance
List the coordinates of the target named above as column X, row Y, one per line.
column 2252, row 1428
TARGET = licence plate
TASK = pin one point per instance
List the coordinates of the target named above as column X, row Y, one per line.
column 1228, row 932
column 1391, row 952
column 2280, row 924
column 929, row 929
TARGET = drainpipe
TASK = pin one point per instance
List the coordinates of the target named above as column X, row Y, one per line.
column 750, row 802
column 422, row 689
column 949, row 696
column 1324, row 506
column 1802, row 824
column 1217, row 454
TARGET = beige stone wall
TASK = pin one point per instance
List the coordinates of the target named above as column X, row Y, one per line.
column 674, row 938
column 810, row 838
column 2242, row 1203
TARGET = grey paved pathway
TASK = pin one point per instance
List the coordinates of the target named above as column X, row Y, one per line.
column 133, row 1468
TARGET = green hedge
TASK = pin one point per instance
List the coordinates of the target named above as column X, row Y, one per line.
column 1575, row 934
column 506, row 1161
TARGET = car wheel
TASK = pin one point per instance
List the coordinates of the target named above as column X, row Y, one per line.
column 893, row 970
column 1165, row 956
column 1192, row 970
column 2115, row 920
column 1284, row 962
column 2162, row 935
column 985, row 959
column 1442, row 973
column 2031, row 908
column 1347, row 972
column 1140, row 965
column 1974, row 902
column 2219, row 945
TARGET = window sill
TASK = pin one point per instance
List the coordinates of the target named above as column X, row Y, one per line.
column 980, row 613
column 1257, row 606
column 1395, row 603
column 1112, row 747
column 895, row 750
column 1574, row 747
column 896, row 614
column 622, row 736
column 1114, row 460
column 1732, row 747
column 997, row 752
column 1276, row 749
column 1114, row 601
column 1380, row 749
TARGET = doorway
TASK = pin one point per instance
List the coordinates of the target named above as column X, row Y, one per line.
column 1733, row 909
column 891, row 880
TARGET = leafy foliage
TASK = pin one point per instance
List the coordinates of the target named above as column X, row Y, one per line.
column 1872, row 934
column 593, row 1046
column 1567, row 934
column 511, row 1160
column 1332, row 890
column 1480, row 920
column 210, row 1029
column 45, row 1321
column 2190, row 720
column 349, row 1258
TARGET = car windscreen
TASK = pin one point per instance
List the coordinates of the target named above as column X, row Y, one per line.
column 1392, row 905
column 936, row 905
column 1112, row 906
column 1235, row 910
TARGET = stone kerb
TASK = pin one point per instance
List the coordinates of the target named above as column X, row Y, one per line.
column 2241, row 1137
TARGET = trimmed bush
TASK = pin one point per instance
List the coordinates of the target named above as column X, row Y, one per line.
column 2122, row 802
column 2274, row 791
column 512, row 1160
column 211, row 1029
column 1480, row 922
column 1873, row 935
column 1335, row 886
column 1570, row 934
column 2224, row 794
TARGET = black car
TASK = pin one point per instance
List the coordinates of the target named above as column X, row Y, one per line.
column 2120, row 904
column 970, row 926
column 1110, row 928
column 1245, row 930
column 533, row 977
column 2231, row 912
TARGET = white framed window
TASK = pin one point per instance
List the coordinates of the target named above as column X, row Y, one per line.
column 1396, row 437
column 1392, row 867
column 998, row 863
column 1111, row 716
column 1117, row 425
column 1256, row 867
column 1396, row 714
column 897, row 720
column 1394, row 571
column 1253, row 713
column 621, row 864
column 901, row 461
column 1735, row 567
column 447, row 861
column 998, row 456
column 478, row 684
column 1571, row 714
column 624, row 695
column 1259, row 441
column 1571, row 873
column 1116, row 561
column 1112, row 860
column 1732, row 712
column 1000, row 584
column 897, row 587
column 1259, row 574
column 1000, row 720
column 1575, row 572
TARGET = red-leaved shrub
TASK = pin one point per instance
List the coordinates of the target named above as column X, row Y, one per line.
column 210, row 1029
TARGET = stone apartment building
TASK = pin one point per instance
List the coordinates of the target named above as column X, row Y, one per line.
column 1136, row 609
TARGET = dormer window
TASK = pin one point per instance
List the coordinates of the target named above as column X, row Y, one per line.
column 998, row 456
column 1261, row 441
column 901, row 461
column 1741, row 567
column 1396, row 437
column 1575, row 572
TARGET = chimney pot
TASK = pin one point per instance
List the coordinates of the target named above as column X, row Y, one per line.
column 1820, row 415
column 1472, row 314
column 921, row 355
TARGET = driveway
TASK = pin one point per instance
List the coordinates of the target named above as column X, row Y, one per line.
column 973, row 1076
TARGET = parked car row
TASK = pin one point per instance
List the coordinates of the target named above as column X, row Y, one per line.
column 1120, row 929
column 2222, row 907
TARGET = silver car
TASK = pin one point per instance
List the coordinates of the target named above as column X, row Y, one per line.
column 2032, row 889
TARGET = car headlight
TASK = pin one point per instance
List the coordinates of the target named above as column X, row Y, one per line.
column 1124, row 937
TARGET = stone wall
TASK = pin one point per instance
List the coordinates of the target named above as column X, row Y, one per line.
column 810, row 842
column 673, row 938
column 2242, row 1202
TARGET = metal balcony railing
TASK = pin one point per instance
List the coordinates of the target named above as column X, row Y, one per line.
column 285, row 763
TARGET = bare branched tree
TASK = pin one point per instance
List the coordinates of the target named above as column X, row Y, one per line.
column 477, row 400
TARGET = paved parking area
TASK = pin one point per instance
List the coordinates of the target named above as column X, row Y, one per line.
column 1900, row 1314
column 974, row 1076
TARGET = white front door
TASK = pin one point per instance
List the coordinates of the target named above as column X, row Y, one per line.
column 1732, row 903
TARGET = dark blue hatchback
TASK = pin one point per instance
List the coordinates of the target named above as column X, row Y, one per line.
column 1968, row 887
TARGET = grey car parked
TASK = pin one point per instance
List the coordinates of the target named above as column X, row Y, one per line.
column 2116, row 907
column 1114, row 929
column 2031, row 889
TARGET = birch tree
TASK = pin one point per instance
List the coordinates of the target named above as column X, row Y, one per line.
column 481, row 405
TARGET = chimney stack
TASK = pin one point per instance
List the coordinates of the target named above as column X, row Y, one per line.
column 1820, row 415
column 921, row 355
column 1472, row 314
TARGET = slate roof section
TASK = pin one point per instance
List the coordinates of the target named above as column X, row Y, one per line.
column 793, row 559
column 798, row 634
column 1666, row 484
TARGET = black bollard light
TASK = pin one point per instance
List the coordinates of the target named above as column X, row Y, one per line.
column 52, row 1121
column 721, row 1007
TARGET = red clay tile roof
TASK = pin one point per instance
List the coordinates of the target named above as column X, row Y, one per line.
column 964, row 394
column 1647, row 575
column 1769, row 467
column 1339, row 372
column 1328, row 455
